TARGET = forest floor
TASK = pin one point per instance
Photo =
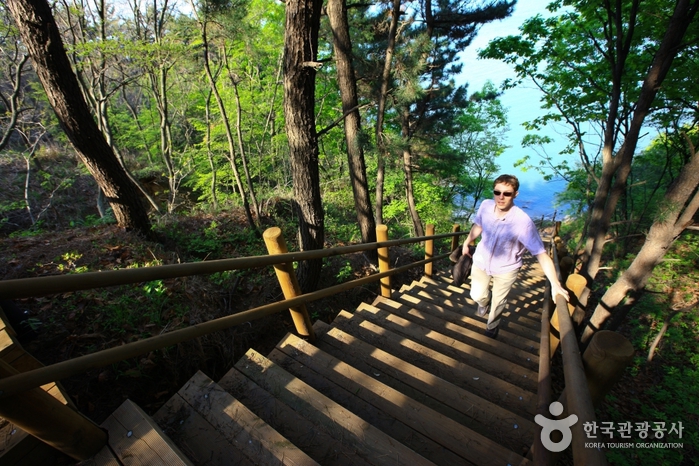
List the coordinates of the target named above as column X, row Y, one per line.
column 72, row 324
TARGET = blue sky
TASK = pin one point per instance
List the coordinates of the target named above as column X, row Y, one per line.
column 522, row 104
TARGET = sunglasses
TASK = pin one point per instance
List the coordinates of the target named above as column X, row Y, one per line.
column 506, row 194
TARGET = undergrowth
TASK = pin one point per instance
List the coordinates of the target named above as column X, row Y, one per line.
column 662, row 385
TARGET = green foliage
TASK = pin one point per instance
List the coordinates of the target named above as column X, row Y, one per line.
column 666, row 389
column 345, row 272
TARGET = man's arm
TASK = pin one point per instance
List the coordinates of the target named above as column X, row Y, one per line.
column 550, row 272
column 475, row 232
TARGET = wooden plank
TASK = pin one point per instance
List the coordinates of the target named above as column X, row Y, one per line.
column 315, row 440
column 465, row 335
column 137, row 439
column 524, row 311
column 468, row 444
column 254, row 437
column 371, row 413
column 490, row 419
column 468, row 321
column 512, row 324
column 370, row 443
column 104, row 457
column 12, row 353
column 196, row 437
column 6, row 342
column 508, row 395
column 475, row 357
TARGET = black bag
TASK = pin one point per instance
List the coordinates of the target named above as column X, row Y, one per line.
column 462, row 269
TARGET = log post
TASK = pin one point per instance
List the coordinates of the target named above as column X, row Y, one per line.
column 605, row 359
column 455, row 243
column 429, row 249
column 575, row 284
column 287, row 279
column 384, row 262
column 50, row 421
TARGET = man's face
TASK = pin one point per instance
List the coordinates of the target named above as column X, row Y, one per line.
column 504, row 196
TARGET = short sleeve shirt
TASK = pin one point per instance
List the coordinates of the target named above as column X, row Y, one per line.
column 504, row 240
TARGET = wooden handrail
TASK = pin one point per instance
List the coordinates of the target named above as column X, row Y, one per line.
column 541, row 456
column 579, row 399
column 42, row 286
column 37, row 377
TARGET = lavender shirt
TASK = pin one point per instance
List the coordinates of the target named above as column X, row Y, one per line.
column 504, row 240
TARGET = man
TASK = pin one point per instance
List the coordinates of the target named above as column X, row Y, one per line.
column 506, row 232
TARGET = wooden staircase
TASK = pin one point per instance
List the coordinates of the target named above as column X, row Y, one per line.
column 404, row 381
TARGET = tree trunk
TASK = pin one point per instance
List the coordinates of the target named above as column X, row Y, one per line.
column 672, row 220
column 620, row 167
column 383, row 95
column 229, row 133
column 43, row 41
column 337, row 14
column 300, row 49
column 241, row 148
column 408, row 174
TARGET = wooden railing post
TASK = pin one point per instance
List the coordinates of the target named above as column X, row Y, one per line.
column 384, row 262
column 429, row 249
column 605, row 359
column 455, row 243
column 50, row 421
column 287, row 279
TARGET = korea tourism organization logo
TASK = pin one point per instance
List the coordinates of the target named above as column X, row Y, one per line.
column 607, row 434
column 549, row 426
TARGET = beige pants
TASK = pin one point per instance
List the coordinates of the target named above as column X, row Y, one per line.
column 480, row 292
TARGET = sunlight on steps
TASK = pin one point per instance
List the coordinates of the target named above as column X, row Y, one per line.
column 409, row 380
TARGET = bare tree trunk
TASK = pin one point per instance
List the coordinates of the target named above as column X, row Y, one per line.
column 608, row 194
column 241, row 148
column 14, row 98
column 672, row 220
column 209, row 154
column 408, row 174
column 383, row 95
column 300, row 49
column 43, row 41
column 229, row 133
column 337, row 14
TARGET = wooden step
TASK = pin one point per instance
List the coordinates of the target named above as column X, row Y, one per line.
column 135, row 438
column 320, row 443
column 215, row 428
column 469, row 321
column 409, row 421
column 368, row 442
column 476, row 413
column 424, row 298
column 526, row 296
column 465, row 335
column 487, row 362
column 521, row 301
column 519, row 324
column 510, row 396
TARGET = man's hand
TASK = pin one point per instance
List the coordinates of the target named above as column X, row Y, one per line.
column 557, row 289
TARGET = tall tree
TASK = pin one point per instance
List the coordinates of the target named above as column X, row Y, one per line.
column 425, row 95
column 606, row 52
column 92, row 37
column 300, row 65
column 677, row 211
column 204, row 20
column 337, row 14
column 40, row 34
